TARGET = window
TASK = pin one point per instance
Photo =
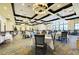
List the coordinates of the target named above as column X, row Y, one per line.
column 57, row 28
column 77, row 26
column 60, row 25
column 65, row 27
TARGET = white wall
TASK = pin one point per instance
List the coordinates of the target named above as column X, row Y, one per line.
column 2, row 22
column 6, row 12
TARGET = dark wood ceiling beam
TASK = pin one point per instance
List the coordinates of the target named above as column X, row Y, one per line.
column 52, row 20
column 67, row 15
column 12, row 6
column 21, row 16
column 18, row 20
column 50, row 4
column 34, row 16
column 72, row 18
column 25, row 16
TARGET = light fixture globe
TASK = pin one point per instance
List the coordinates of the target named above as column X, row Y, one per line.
column 40, row 8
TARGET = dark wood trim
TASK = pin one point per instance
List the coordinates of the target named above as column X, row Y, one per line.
column 68, row 15
column 50, row 4
column 52, row 20
column 73, row 18
column 21, row 16
column 25, row 16
column 18, row 20
column 34, row 16
column 12, row 5
column 64, row 7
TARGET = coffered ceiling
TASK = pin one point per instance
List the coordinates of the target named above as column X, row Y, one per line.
column 24, row 13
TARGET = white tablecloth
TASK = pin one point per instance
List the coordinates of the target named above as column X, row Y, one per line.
column 8, row 36
column 2, row 39
column 73, row 41
column 49, row 42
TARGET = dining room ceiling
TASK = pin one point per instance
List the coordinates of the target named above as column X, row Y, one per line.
column 24, row 13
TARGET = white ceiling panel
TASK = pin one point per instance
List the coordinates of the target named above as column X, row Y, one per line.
column 19, row 18
column 57, row 6
column 32, row 20
column 50, row 17
column 41, row 15
column 25, row 9
column 67, row 11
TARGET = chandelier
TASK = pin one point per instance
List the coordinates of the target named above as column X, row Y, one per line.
column 40, row 8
